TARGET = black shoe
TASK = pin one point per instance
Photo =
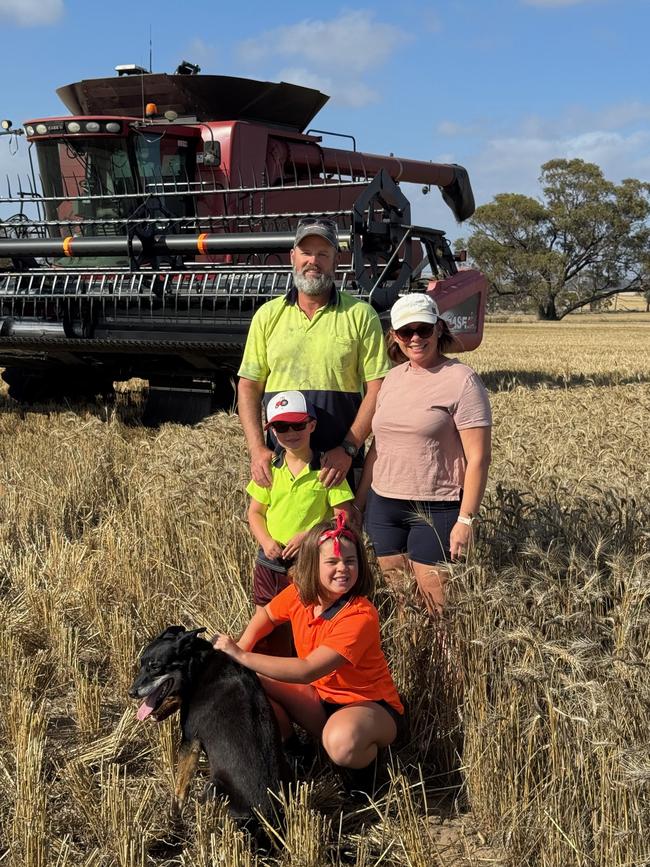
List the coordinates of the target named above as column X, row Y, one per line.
column 301, row 755
column 360, row 784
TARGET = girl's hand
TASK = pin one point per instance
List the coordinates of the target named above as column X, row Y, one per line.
column 225, row 643
column 460, row 540
column 293, row 545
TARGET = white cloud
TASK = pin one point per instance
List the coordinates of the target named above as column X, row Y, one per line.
column 509, row 161
column 549, row 4
column 332, row 55
column 31, row 13
column 451, row 128
column 353, row 39
column 199, row 51
column 353, row 94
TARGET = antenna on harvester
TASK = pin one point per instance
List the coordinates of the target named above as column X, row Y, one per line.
column 150, row 51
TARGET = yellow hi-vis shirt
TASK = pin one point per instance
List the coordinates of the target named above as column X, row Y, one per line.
column 296, row 504
column 328, row 358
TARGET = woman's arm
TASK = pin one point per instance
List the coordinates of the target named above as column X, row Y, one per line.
column 366, row 478
column 477, row 445
column 320, row 662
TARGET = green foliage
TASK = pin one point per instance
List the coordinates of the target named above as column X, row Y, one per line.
column 586, row 240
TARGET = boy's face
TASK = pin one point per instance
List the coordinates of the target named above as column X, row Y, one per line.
column 292, row 439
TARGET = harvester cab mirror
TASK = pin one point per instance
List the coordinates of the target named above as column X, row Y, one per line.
column 460, row 256
column 211, row 153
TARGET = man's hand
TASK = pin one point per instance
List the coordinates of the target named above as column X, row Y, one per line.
column 334, row 466
column 273, row 550
column 460, row 540
column 293, row 546
column 261, row 466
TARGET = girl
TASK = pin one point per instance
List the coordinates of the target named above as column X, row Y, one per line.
column 339, row 689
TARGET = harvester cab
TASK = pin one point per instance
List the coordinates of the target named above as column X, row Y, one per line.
column 160, row 214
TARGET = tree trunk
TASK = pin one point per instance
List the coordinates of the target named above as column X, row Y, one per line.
column 546, row 309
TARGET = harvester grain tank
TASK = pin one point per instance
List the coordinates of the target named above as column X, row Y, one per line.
column 159, row 216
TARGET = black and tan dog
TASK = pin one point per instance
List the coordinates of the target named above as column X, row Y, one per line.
column 223, row 710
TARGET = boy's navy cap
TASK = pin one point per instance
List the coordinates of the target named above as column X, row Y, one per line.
column 288, row 406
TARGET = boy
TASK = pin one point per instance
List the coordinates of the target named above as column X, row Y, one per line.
column 279, row 516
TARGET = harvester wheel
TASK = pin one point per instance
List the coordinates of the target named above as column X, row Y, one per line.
column 37, row 386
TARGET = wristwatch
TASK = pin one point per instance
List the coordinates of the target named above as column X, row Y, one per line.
column 349, row 448
column 466, row 519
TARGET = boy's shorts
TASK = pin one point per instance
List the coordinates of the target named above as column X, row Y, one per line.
column 269, row 580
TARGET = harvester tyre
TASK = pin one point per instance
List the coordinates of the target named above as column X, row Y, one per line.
column 35, row 386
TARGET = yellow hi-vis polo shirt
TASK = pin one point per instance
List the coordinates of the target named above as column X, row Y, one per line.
column 296, row 504
column 328, row 358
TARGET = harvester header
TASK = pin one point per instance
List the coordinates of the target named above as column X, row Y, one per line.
column 160, row 215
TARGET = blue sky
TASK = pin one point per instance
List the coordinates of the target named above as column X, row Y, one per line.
column 498, row 86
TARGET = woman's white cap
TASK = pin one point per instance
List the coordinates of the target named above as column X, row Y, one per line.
column 414, row 307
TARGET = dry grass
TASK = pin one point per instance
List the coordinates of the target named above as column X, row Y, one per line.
column 540, row 678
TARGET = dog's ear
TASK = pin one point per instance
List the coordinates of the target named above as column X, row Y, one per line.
column 191, row 634
column 171, row 632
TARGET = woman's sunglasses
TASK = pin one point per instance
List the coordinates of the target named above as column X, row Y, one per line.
column 284, row 426
column 425, row 330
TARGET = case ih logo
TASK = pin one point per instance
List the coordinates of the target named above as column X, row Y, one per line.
column 282, row 402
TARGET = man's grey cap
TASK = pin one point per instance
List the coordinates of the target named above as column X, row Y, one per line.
column 324, row 229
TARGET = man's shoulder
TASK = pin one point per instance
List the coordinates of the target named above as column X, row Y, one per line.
column 348, row 302
column 270, row 308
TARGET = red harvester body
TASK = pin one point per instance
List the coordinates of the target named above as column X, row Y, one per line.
column 162, row 214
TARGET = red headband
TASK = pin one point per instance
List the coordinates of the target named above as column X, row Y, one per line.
column 339, row 531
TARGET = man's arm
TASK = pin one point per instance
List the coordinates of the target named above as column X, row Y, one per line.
column 336, row 462
column 249, row 398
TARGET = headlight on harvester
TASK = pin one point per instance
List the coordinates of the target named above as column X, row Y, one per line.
column 73, row 126
column 92, row 126
column 111, row 126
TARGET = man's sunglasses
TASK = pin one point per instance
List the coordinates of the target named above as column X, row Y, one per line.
column 425, row 330
column 284, row 426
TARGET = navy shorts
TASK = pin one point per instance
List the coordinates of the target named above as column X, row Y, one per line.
column 331, row 707
column 418, row 529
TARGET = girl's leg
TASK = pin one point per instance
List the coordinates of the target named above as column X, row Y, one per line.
column 353, row 735
column 300, row 702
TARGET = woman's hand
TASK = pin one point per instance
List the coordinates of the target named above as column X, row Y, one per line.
column 227, row 645
column 460, row 540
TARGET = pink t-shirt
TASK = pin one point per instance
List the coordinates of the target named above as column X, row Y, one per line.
column 419, row 413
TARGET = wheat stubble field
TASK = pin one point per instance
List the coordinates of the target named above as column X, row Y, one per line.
column 529, row 708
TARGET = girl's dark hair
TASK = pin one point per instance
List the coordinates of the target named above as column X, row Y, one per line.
column 445, row 343
column 306, row 571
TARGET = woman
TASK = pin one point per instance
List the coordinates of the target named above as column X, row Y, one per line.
column 339, row 689
column 425, row 473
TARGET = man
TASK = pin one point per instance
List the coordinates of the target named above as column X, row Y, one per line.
column 319, row 341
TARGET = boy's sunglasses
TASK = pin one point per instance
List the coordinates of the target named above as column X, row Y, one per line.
column 425, row 330
column 284, row 426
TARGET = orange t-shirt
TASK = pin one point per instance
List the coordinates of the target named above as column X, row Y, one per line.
column 351, row 630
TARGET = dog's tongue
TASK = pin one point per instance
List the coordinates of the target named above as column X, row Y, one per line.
column 149, row 704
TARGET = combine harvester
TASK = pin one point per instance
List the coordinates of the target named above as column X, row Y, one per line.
column 159, row 216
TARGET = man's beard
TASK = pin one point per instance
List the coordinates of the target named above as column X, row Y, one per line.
column 318, row 285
